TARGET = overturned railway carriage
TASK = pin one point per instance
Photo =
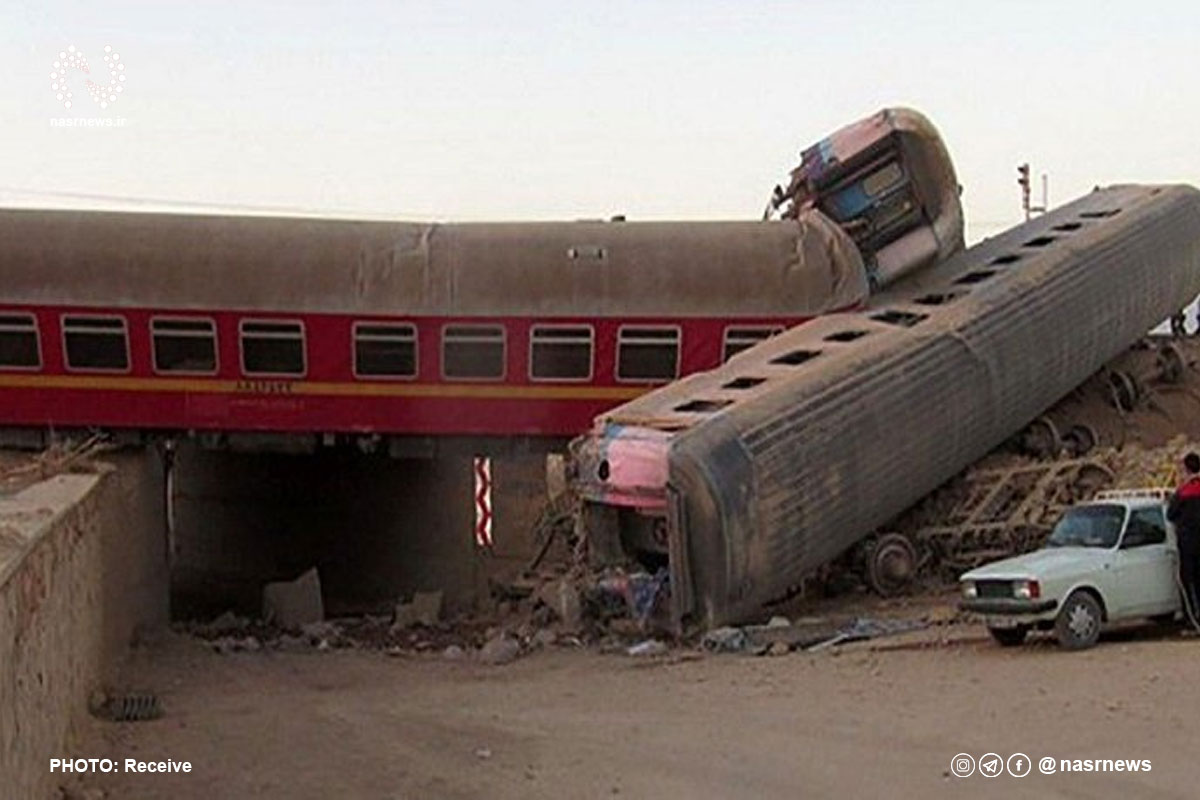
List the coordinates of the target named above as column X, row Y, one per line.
column 775, row 463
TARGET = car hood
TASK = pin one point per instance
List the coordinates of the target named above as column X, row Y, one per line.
column 1055, row 562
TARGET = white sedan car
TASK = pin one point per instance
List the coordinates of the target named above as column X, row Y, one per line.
column 1110, row 559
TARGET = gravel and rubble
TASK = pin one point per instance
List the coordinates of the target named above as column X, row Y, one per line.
column 1004, row 504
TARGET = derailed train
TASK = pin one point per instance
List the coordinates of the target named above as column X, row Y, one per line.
column 748, row 477
column 344, row 329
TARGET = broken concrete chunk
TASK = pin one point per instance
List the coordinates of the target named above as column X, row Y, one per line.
column 650, row 647
column 293, row 604
column 779, row 649
column 319, row 630
column 292, row 644
column 725, row 640
column 427, row 607
column 500, row 649
column 424, row 609
column 227, row 623
column 562, row 597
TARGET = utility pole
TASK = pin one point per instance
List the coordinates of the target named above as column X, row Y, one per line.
column 1023, row 181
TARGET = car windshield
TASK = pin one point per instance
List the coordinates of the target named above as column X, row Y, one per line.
column 1088, row 526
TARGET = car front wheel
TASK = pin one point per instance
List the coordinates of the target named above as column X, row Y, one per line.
column 1009, row 637
column 1078, row 623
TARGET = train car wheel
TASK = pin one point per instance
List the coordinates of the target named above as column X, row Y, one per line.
column 891, row 564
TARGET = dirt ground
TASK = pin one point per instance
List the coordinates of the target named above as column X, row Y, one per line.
column 871, row 719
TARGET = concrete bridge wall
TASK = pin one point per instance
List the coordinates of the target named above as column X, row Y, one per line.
column 82, row 571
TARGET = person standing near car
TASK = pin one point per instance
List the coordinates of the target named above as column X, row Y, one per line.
column 1183, row 511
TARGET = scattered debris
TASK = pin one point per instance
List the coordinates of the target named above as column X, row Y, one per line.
column 227, row 623
column 232, row 644
column 500, row 649
column 779, row 649
column 725, row 640
column 293, row 604
column 424, row 609
column 650, row 647
column 316, row 631
column 866, row 628
column 287, row 643
column 130, row 707
column 483, row 753
column 454, row 653
column 562, row 597
column 544, row 637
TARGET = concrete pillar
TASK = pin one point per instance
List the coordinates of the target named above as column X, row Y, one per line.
column 518, row 497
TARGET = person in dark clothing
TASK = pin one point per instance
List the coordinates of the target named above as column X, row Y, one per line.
column 1183, row 511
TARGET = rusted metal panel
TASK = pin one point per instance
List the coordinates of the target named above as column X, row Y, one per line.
column 889, row 181
column 791, row 268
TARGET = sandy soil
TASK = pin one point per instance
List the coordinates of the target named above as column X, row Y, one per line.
column 873, row 719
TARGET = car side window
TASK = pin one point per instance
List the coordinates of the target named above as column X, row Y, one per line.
column 1146, row 526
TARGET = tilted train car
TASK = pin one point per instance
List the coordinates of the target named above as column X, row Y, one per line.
column 315, row 326
column 748, row 477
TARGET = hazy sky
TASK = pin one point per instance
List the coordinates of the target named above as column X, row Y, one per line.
column 496, row 110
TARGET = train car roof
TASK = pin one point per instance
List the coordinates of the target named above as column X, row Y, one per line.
column 930, row 303
column 793, row 268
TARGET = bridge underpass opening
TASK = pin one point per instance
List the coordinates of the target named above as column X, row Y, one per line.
column 376, row 528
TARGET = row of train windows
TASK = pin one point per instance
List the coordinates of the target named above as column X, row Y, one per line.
column 381, row 350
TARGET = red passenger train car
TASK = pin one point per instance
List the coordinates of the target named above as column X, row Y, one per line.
column 208, row 323
column 195, row 323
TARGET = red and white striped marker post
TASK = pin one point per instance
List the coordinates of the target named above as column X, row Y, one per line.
column 483, row 501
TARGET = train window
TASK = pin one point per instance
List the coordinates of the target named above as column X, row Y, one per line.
column 384, row 350
column 702, row 406
column 647, row 354
column 184, row 345
column 1007, row 258
column 1039, row 241
column 744, row 382
column 19, row 342
column 905, row 319
column 739, row 339
column 272, row 347
column 1067, row 227
column 937, row 299
column 1108, row 212
column 796, row 357
column 473, row 352
column 978, row 276
column 97, row 343
column 560, row 353
column 845, row 336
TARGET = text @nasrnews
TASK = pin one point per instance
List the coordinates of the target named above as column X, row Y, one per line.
column 85, row 765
